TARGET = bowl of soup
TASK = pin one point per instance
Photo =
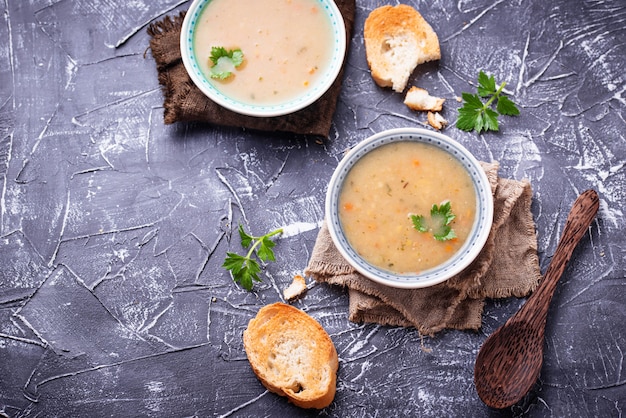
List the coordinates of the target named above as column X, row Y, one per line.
column 409, row 208
column 263, row 58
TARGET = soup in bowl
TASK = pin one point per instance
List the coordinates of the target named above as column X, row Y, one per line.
column 263, row 57
column 409, row 208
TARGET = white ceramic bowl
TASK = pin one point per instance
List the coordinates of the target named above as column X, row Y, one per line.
column 314, row 92
column 462, row 258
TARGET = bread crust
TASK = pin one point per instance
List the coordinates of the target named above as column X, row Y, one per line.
column 292, row 355
column 397, row 39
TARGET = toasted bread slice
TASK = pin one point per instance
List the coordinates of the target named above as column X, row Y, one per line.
column 419, row 99
column 292, row 355
column 398, row 39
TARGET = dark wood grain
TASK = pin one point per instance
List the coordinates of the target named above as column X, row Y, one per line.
column 510, row 360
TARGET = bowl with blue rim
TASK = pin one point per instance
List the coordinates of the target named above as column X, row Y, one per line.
column 428, row 229
column 197, row 56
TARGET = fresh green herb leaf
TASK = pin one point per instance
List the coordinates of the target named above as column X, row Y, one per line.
column 442, row 217
column 419, row 223
column 439, row 223
column 235, row 262
column 446, row 234
column 479, row 116
column 472, row 102
column 490, row 120
column 246, row 239
column 469, row 116
column 266, row 252
column 245, row 269
column 486, row 84
column 224, row 61
column 237, row 57
column 506, row 107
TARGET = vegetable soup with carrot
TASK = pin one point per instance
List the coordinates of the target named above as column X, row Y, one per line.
column 407, row 206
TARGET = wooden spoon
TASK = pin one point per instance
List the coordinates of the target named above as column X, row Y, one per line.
column 509, row 362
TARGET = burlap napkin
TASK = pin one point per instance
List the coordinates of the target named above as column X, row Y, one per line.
column 184, row 102
column 507, row 266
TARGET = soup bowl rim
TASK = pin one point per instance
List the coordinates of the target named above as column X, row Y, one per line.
column 475, row 241
column 299, row 102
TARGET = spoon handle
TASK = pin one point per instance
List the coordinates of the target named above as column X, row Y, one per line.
column 580, row 217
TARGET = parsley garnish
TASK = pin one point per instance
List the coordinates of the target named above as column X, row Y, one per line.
column 224, row 61
column 480, row 116
column 439, row 223
column 244, row 269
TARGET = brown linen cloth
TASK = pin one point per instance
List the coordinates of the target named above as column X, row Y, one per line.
column 184, row 102
column 507, row 266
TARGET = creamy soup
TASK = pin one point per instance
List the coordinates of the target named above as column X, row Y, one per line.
column 391, row 183
column 287, row 45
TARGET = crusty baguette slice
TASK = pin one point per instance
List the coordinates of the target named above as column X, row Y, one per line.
column 398, row 39
column 292, row 355
column 419, row 99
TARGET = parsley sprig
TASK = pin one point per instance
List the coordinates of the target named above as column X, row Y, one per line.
column 439, row 223
column 244, row 269
column 224, row 61
column 481, row 116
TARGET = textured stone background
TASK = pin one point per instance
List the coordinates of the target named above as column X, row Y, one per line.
column 113, row 226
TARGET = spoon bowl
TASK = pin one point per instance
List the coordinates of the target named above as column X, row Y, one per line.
column 516, row 365
column 509, row 361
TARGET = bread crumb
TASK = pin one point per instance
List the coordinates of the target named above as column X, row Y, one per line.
column 296, row 288
column 437, row 121
column 419, row 99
